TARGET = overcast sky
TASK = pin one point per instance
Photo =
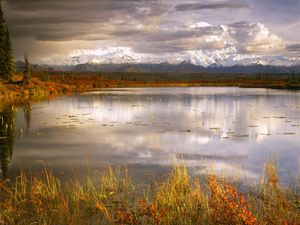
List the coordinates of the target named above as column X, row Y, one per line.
column 49, row 28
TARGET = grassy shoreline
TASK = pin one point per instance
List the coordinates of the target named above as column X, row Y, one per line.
column 114, row 199
column 180, row 199
column 61, row 84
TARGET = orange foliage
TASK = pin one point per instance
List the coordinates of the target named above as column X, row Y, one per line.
column 151, row 211
column 228, row 206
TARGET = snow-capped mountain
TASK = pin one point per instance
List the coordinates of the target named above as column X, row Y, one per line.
column 225, row 57
column 230, row 57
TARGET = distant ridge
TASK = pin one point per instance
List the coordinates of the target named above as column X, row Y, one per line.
column 184, row 67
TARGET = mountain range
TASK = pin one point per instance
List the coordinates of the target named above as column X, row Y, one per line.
column 225, row 57
column 226, row 60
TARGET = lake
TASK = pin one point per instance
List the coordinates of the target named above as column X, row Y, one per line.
column 228, row 130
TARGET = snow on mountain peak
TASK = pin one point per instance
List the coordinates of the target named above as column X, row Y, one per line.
column 227, row 56
column 198, row 43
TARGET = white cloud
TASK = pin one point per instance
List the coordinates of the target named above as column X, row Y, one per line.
column 246, row 37
column 199, row 43
column 198, row 25
column 255, row 37
column 45, row 28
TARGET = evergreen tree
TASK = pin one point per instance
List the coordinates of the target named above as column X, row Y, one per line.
column 7, row 66
column 2, row 38
column 9, row 56
column 27, row 71
column 45, row 75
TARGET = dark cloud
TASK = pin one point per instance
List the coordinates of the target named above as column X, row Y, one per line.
column 110, row 21
column 218, row 5
column 293, row 47
column 148, row 26
column 37, row 5
column 47, row 20
column 241, row 24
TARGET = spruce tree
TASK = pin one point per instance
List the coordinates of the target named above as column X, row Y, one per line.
column 2, row 38
column 7, row 65
column 27, row 71
column 9, row 56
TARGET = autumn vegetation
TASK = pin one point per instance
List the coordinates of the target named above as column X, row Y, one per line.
column 41, row 85
column 110, row 197
column 21, row 84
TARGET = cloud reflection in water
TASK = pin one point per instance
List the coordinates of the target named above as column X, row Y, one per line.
column 149, row 127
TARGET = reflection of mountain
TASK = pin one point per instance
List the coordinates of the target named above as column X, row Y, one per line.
column 7, row 138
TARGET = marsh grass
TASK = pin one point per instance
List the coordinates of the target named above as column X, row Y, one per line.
column 111, row 197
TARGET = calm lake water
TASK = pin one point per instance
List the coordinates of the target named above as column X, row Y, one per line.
column 222, row 129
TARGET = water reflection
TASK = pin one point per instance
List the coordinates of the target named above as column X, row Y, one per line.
column 223, row 128
column 8, row 132
column 7, row 138
column 27, row 115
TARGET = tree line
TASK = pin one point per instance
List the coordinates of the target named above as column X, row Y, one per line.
column 7, row 65
column 7, row 62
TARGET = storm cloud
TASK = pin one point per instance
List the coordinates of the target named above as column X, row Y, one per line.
column 293, row 47
column 154, row 27
column 217, row 5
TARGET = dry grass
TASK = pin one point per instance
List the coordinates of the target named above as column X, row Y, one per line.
column 63, row 84
column 113, row 199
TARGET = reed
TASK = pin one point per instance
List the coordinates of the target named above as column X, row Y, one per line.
column 111, row 197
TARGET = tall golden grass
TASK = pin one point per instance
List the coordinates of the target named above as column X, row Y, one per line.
column 114, row 199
